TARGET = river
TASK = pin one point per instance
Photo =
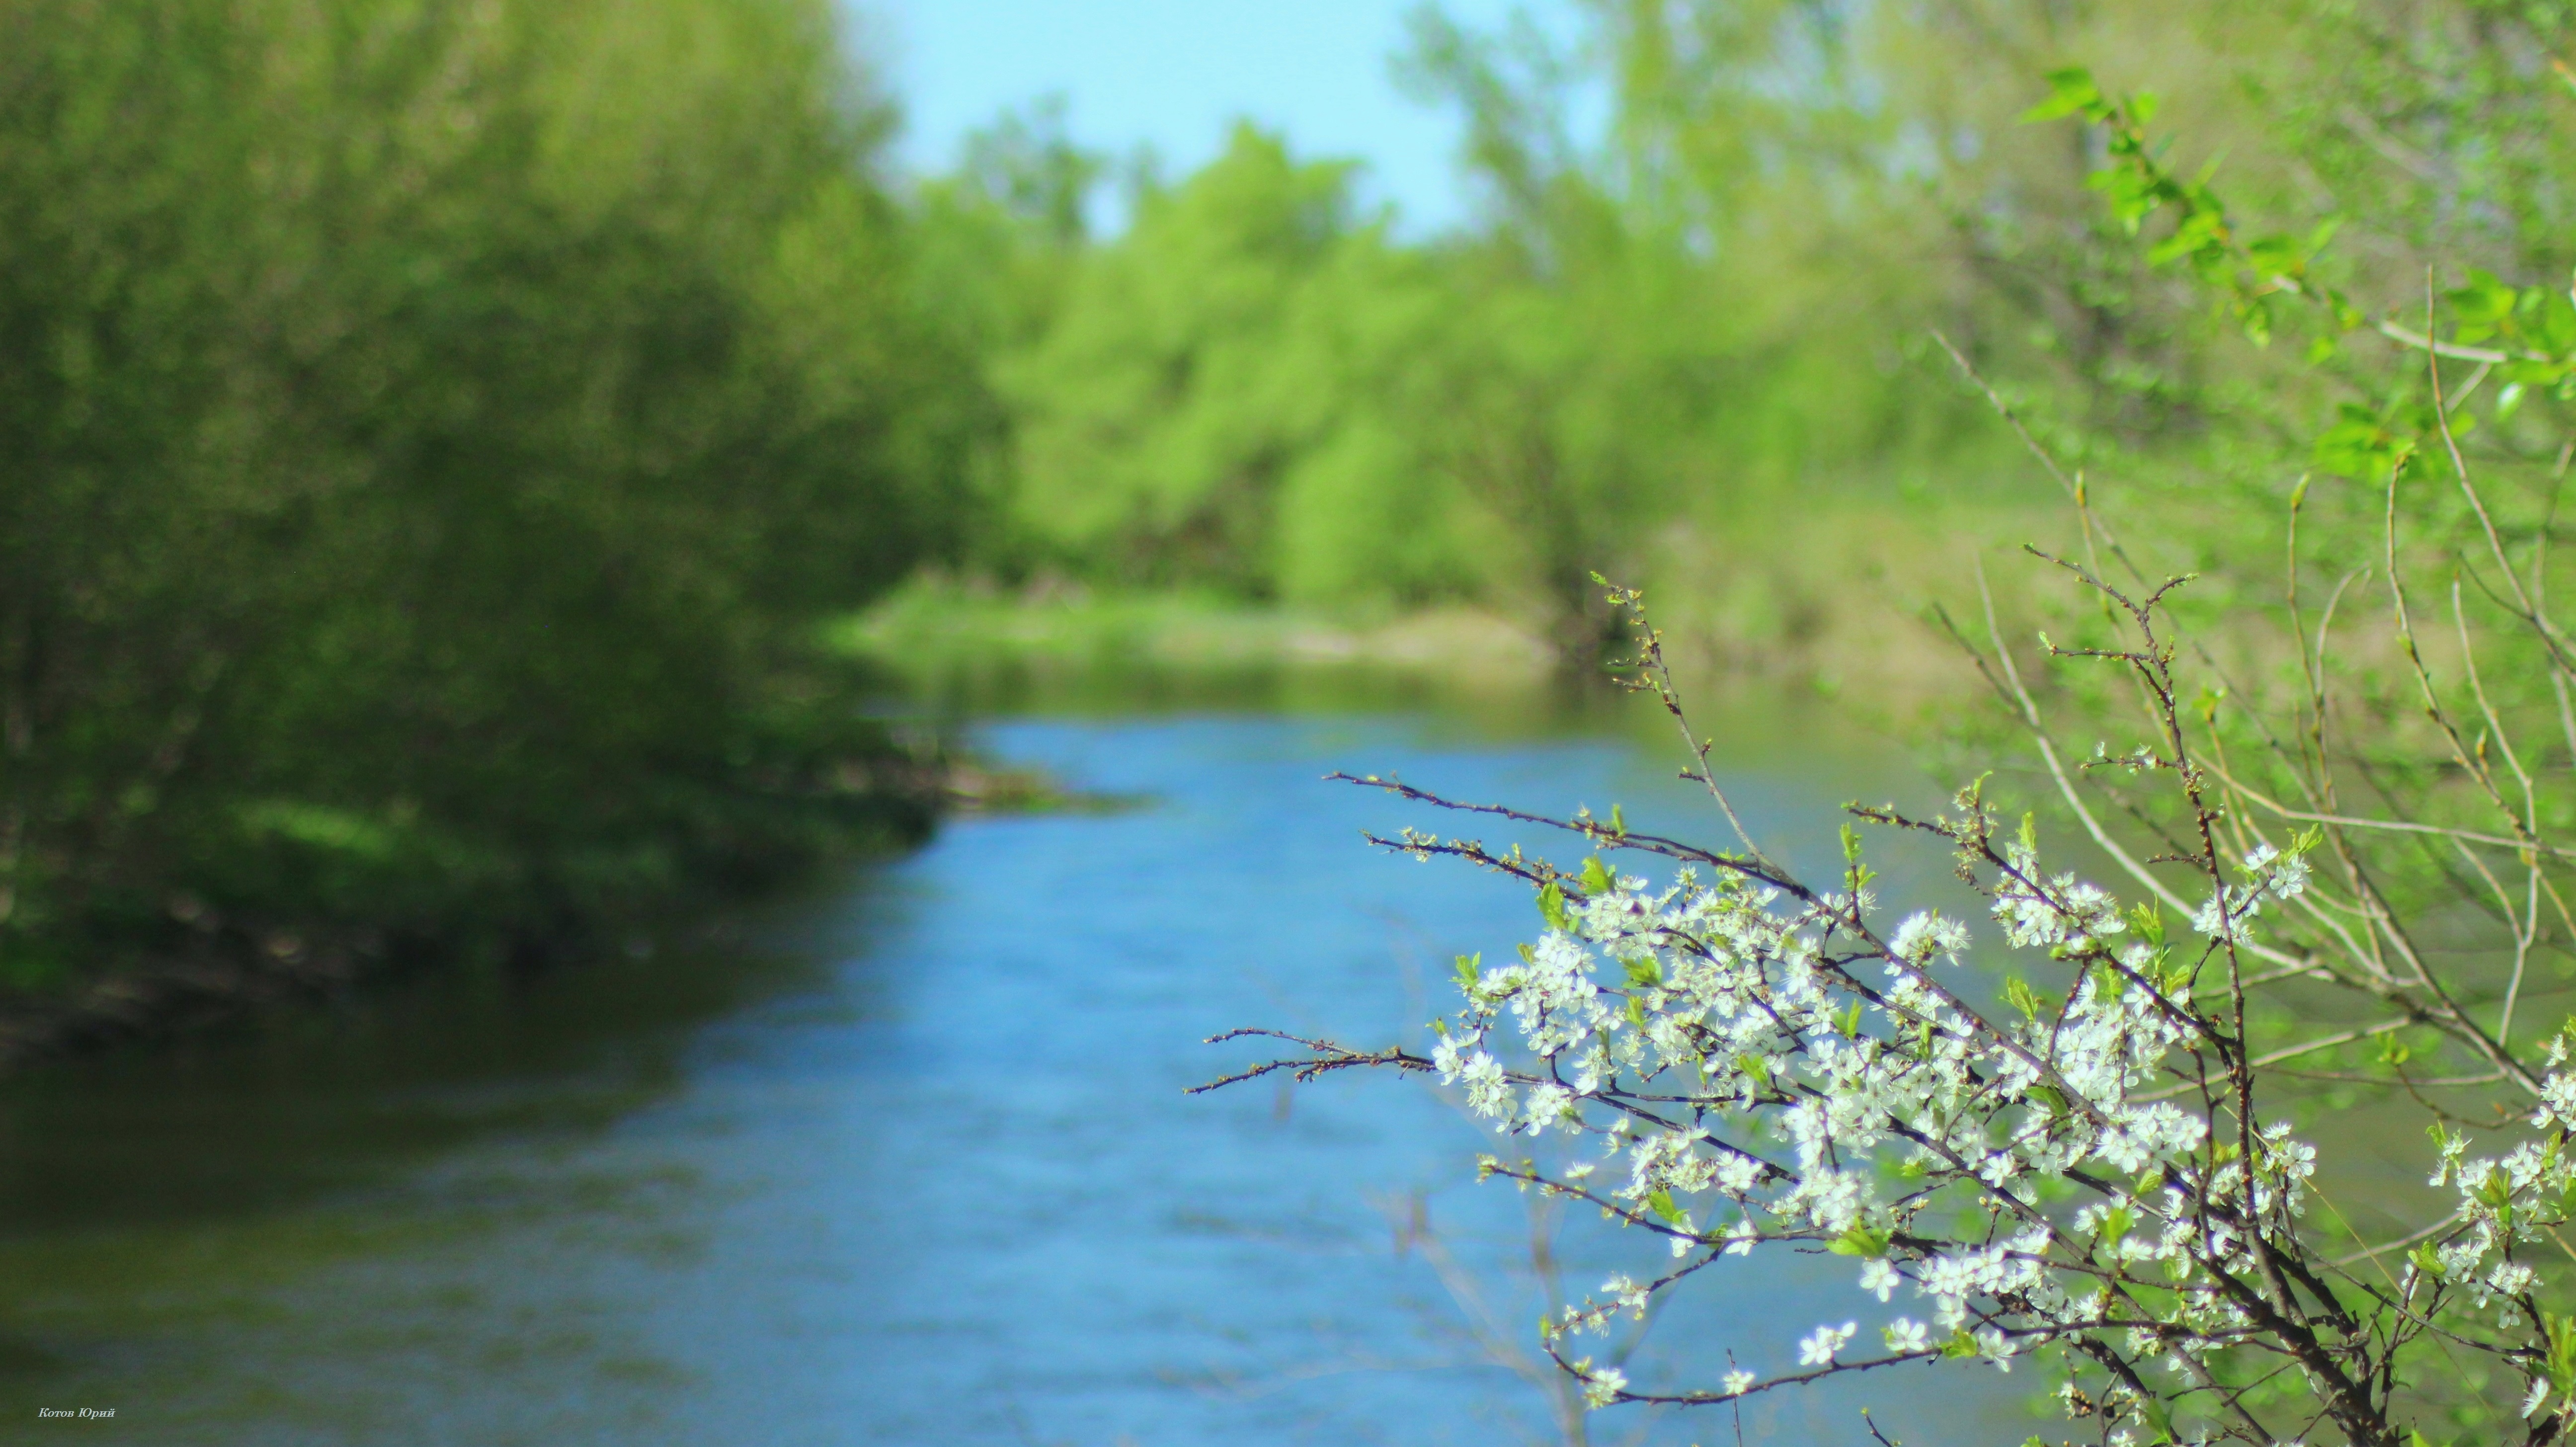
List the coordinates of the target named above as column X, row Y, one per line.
column 907, row 1159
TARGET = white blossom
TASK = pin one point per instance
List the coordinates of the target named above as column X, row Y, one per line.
column 1876, row 1275
column 1926, row 934
column 1753, row 1058
column 1817, row 1349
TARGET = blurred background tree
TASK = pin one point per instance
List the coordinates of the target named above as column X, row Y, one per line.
column 1706, row 318
column 421, row 421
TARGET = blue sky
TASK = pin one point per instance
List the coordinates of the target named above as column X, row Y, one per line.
column 1173, row 73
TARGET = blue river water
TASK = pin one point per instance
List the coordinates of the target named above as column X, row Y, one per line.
column 908, row 1160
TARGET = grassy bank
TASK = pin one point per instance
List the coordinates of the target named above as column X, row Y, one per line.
column 936, row 625
column 807, row 783
column 1824, row 597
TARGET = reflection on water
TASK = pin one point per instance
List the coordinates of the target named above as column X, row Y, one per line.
column 909, row 1162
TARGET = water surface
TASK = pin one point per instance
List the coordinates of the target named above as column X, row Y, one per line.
column 909, row 1161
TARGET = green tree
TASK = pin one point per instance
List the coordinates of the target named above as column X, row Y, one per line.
column 427, row 426
column 1166, row 402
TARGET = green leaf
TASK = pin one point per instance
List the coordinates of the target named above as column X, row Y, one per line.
column 2070, row 90
column 1470, row 971
column 2116, row 1225
column 2132, row 196
column 2023, row 997
column 2277, row 256
column 1860, row 1241
column 2498, row 1193
column 2198, row 232
column 1551, row 908
column 2562, row 1346
column 2482, row 305
column 1597, row 880
column 2255, row 318
column 2362, row 445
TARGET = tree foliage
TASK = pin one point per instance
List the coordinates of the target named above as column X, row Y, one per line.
column 424, row 423
column 1695, row 301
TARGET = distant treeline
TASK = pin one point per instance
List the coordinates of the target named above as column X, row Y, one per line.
column 432, row 430
column 425, row 428
column 1689, row 338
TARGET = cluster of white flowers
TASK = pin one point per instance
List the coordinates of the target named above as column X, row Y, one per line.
column 2087, row 1170
column 2505, row 1203
column 1757, row 1065
column 1818, row 1349
column 2269, row 876
column 1601, row 1385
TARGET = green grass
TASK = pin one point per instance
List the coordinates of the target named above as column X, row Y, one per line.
column 934, row 625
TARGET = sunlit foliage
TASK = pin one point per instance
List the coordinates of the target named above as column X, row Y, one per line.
column 1693, row 308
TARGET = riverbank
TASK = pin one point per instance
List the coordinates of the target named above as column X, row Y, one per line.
column 224, row 969
column 938, row 625
column 1776, row 621
column 952, row 649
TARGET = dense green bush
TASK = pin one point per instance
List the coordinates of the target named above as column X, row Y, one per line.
column 424, row 424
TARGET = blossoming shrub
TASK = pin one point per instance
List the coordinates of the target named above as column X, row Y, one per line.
column 2338, row 878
